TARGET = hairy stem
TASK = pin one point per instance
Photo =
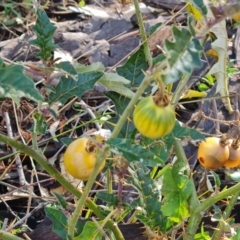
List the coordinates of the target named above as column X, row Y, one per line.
column 147, row 52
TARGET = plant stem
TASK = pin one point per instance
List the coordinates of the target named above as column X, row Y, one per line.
column 147, row 79
column 228, row 210
column 196, row 216
column 8, row 236
column 197, row 209
column 147, row 52
column 180, row 88
column 179, row 151
column 101, row 155
column 109, row 184
column 41, row 160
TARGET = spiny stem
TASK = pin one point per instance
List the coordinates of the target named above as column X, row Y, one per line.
column 147, row 52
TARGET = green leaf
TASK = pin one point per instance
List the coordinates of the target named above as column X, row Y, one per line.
column 202, row 87
column 115, row 83
column 90, row 232
column 60, row 199
column 110, row 199
column 149, row 196
column 159, row 58
column 217, row 214
column 183, row 54
column 237, row 236
column 200, row 5
column 133, row 68
column 40, row 123
column 175, row 207
column 176, row 189
column 59, row 221
column 216, row 179
column 154, row 28
column 182, row 132
column 202, row 235
column 94, row 67
column 44, row 31
column 68, row 87
column 15, row 84
column 179, row 171
column 121, row 103
column 66, row 141
column 68, row 68
column 133, row 152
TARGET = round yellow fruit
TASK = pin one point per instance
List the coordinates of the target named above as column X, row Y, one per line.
column 80, row 157
column 234, row 156
column 212, row 154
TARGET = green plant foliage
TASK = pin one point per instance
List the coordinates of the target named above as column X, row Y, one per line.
column 154, row 28
column 202, row 235
column 206, row 83
column 116, row 83
column 61, row 200
column 176, row 190
column 112, row 81
column 217, row 180
column 90, row 232
column 110, row 199
column 59, row 221
column 94, row 67
column 68, row 87
column 40, row 125
column 15, row 84
column 183, row 54
column 149, row 198
column 133, row 152
column 44, row 31
column 68, row 68
column 133, row 69
column 121, row 103
column 200, row 5
column 159, row 58
column 237, row 236
column 181, row 133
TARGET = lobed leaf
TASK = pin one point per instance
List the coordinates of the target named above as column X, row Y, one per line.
column 44, row 30
column 59, row 221
column 68, row 87
column 183, row 54
column 133, row 68
column 133, row 152
column 149, row 196
column 90, row 232
column 115, row 83
column 15, row 84
column 121, row 103
column 176, row 189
